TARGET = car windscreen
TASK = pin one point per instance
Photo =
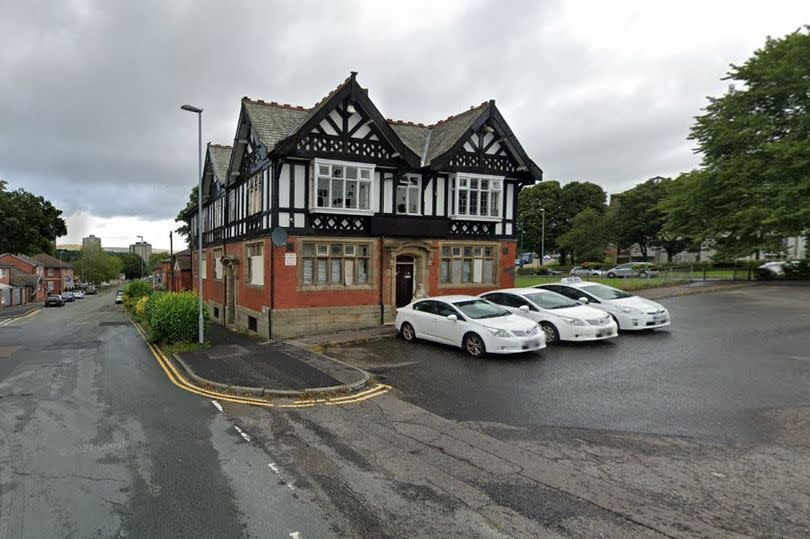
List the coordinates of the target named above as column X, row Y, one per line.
column 479, row 308
column 550, row 300
column 605, row 292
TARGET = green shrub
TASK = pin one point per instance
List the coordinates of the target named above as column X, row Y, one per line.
column 133, row 292
column 525, row 271
column 172, row 317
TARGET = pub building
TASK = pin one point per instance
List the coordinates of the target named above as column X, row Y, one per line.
column 330, row 217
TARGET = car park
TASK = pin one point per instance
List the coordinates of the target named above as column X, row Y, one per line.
column 474, row 324
column 629, row 311
column 68, row 297
column 633, row 269
column 560, row 318
column 54, row 300
column 78, row 294
column 585, row 271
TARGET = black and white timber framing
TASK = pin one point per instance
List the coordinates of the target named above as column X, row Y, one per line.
column 268, row 177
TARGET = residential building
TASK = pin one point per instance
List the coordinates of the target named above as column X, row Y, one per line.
column 181, row 278
column 366, row 211
column 57, row 275
column 142, row 249
column 26, row 272
column 91, row 242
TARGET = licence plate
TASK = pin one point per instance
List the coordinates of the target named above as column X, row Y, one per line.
column 531, row 344
column 658, row 319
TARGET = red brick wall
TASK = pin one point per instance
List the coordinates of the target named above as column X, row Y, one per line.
column 17, row 263
column 250, row 296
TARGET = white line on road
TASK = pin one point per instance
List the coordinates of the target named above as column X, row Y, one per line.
column 242, row 433
column 217, row 405
column 296, row 535
column 273, row 467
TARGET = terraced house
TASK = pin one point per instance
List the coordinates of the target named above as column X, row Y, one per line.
column 370, row 211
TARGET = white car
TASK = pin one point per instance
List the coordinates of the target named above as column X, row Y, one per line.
column 630, row 312
column 474, row 324
column 78, row 294
column 560, row 318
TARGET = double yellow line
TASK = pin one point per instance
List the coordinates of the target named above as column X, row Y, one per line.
column 178, row 379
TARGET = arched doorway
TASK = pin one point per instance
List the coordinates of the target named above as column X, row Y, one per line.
column 405, row 280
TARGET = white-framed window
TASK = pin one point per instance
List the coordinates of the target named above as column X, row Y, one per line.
column 218, row 269
column 254, row 264
column 409, row 193
column 468, row 264
column 203, row 266
column 335, row 264
column 50, row 272
column 255, row 194
column 3, row 272
column 218, row 212
column 477, row 196
column 343, row 187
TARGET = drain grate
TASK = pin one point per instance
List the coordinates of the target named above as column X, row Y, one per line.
column 113, row 323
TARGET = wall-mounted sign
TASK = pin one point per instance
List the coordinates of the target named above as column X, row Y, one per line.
column 290, row 259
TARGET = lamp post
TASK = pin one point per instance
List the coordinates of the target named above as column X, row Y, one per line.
column 142, row 253
column 542, row 236
column 198, row 111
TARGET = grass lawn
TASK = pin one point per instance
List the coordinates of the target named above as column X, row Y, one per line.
column 525, row 281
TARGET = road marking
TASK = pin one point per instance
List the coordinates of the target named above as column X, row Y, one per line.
column 295, row 535
column 178, row 379
column 218, row 406
column 290, row 486
column 15, row 318
column 242, row 433
column 273, row 467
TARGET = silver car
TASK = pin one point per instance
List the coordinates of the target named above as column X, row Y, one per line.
column 580, row 271
column 633, row 269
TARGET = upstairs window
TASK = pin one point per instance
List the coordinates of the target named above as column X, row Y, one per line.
column 408, row 195
column 476, row 196
column 342, row 186
column 255, row 194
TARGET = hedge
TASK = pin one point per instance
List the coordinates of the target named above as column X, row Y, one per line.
column 172, row 317
column 133, row 292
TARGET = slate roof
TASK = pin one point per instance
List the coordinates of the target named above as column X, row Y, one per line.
column 220, row 159
column 183, row 259
column 20, row 278
column 51, row 262
column 272, row 121
column 30, row 260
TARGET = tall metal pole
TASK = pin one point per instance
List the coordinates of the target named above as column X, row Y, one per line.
column 198, row 111
column 199, row 224
column 142, row 253
column 542, row 236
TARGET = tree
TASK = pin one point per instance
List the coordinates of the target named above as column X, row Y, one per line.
column 96, row 265
column 754, row 185
column 29, row 223
column 184, row 215
column 587, row 237
column 131, row 265
column 156, row 258
column 561, row 205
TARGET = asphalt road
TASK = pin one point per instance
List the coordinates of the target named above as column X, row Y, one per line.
column 728, row 358
column 95, row 441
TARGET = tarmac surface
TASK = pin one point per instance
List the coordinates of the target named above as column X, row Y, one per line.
column 726, row 359
column 95, row 441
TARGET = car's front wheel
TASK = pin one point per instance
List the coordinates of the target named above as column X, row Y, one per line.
column 474, row 345
column 407, row 332
column 611, row 275
column 551, row 333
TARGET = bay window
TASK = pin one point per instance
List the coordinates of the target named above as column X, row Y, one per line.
column 335, row 264
column 476, row 196
column 343, row 186
column 461, row 264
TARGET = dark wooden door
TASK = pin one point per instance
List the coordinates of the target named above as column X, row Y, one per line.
column 404, row 280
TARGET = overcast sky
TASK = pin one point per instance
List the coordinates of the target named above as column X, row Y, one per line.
column 598, row 91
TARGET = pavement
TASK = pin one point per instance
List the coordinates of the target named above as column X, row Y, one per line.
column 241, row 363
column 95, row 441
column 19, row 310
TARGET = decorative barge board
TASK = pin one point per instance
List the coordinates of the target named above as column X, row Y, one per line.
column 374, row 210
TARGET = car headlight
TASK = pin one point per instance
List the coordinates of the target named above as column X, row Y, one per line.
column 499, row 332
column 629, row 310
column 575, row 321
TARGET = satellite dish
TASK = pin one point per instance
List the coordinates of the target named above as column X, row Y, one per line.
column 279, row 236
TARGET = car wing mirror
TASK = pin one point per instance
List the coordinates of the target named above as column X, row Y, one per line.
column 452, row 317
column 583, row 299
column 524, row 308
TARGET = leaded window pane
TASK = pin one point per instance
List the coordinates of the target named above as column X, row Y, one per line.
column 363, row 195
column 362, row 271
column 337, row 193
column 307, row 271
column 466, row 271
column 321, row 271
column 335, row 272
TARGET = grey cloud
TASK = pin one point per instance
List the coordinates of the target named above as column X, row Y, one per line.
column 89, row 101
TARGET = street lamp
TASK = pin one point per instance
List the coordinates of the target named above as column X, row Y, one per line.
column 142, row 253
column 198, row 111
column 542, row 236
